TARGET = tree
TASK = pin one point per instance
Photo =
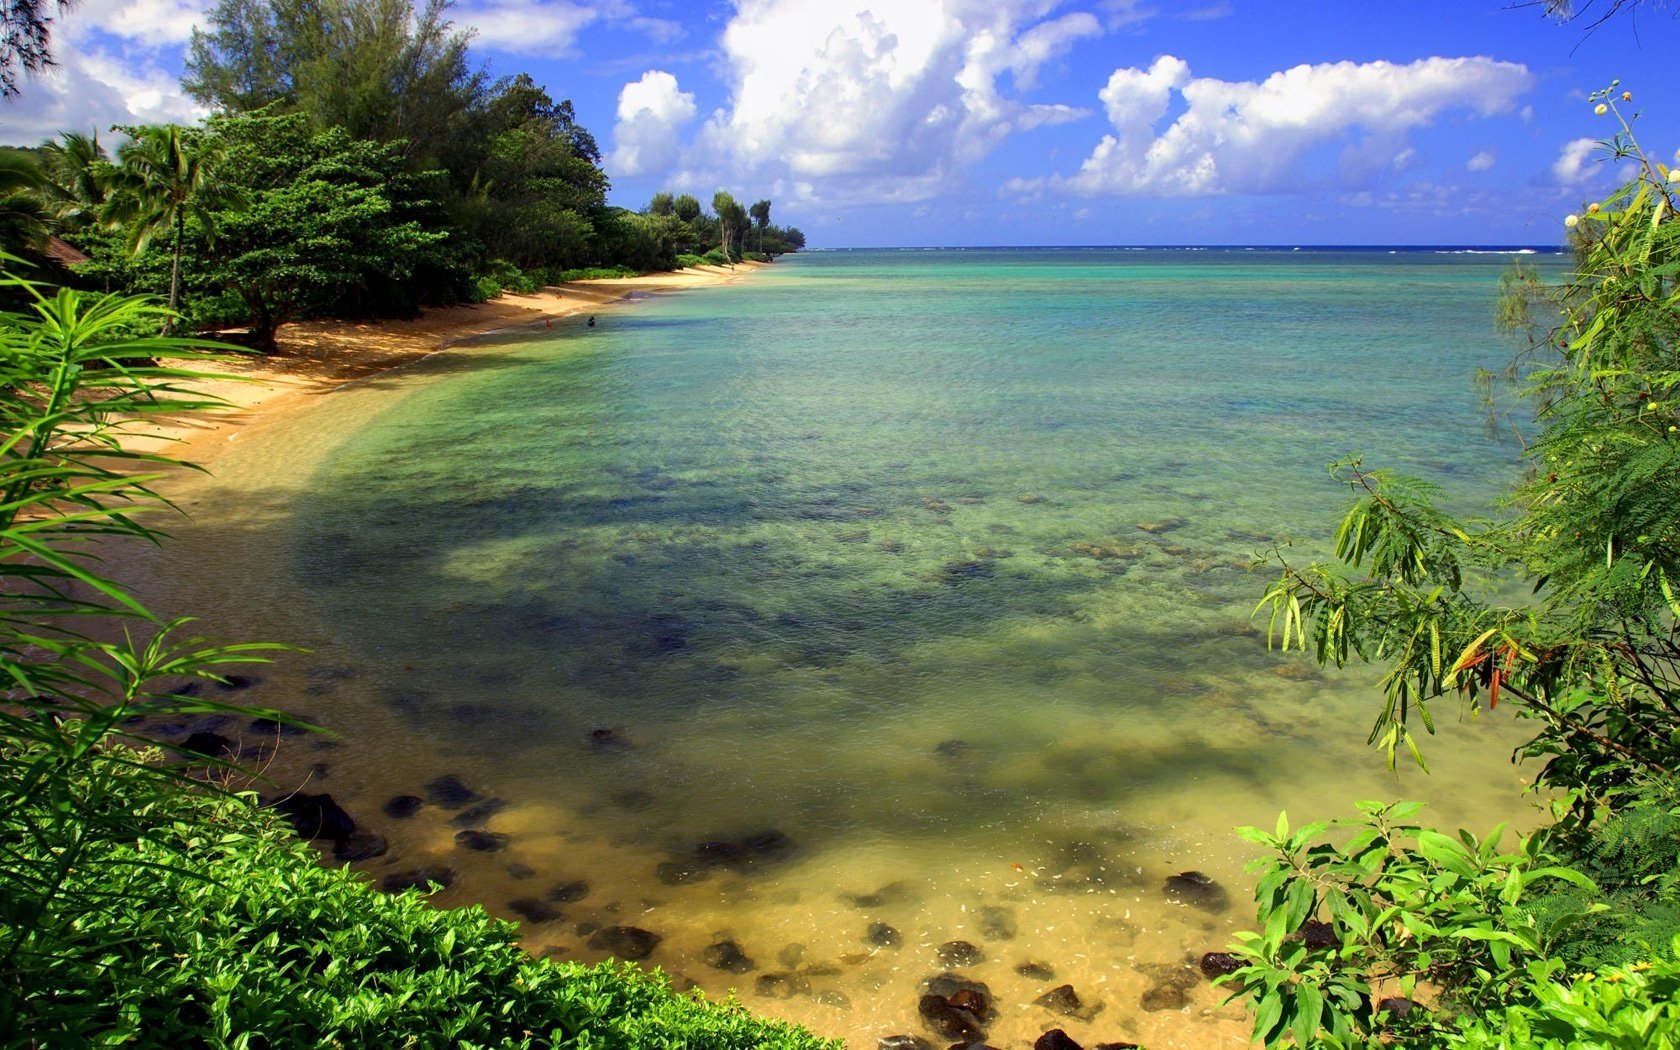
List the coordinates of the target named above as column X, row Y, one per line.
column 330, row 223
column 1593, row 658
column 379, row 68
column 662, row 204
column 78, row 175
column 25, row 40
column 163, row 179
column 686, row 207
column 25, row 219
column 760, row 213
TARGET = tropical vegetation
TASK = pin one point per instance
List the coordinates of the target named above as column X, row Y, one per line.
column 355, row 164
column 1379, row 930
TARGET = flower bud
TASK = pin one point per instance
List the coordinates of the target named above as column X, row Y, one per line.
column 1627, row 96
column 1592, row 209
column 1600, row 109
column 1571, row 220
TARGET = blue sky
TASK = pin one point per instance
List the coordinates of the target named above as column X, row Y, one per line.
column 969, row 122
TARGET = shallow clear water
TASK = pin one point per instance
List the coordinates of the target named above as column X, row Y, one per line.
column 935, row 563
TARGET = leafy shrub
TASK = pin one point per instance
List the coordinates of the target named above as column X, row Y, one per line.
column 1633, row 1007
column 717, row 257
column 220, row 928
column 688, row 261
column 594, row 273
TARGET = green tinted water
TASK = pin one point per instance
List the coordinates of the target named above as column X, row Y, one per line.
column 934, row 563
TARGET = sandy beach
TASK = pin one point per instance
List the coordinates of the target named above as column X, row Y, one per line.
column 320, row 356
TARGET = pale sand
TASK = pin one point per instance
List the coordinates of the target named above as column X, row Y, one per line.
column 319, row 357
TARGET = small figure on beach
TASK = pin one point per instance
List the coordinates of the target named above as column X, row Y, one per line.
column 548, row 324
column 592, row 320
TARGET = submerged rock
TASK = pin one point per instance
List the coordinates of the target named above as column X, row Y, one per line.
column 447, row 792
column 881, row 935
column 1197, row 890
column 567, row 892
column 479, row 813
column 997, row 923
column 727, row 955
column 959, row 953
column 1037, row 971
column 481, row 841
column 1062, row 1000
column 421, row 879
column 625, row 942
column 1056, row 1039
column 783, row 985
column 402, row 807
column 949, row 1021
column 316, row 816
column 361, row 845
column 533, row 910
column 903, row 1042
column 1220, row 964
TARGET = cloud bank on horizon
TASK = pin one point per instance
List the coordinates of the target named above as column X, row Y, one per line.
column 1015, row 121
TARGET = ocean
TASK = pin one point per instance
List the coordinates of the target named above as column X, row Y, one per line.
column 886, row 614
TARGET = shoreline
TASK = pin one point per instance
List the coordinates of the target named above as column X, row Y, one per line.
column 320, row 357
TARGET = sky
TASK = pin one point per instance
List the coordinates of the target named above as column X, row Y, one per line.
column 873, row 123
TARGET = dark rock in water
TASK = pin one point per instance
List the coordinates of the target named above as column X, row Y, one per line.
column 1056, row 1039
column 890, row 893
column 883, row 936
column 521, row 872
column 1396, row 1007
column 1156, row 528
column 210, row 745
column 421, row 879
column 949, row 1021
column 448, row 792
column 1219, row 964
column 727, row 955
column 403, row 806
column 997, row 923
column 903, row 1042
column 959, row 953
column 1316, row 934
column 232, row 683
column 1198, row 891
column 532, row 910
column 607, row 741
column 1062, row 1000
column 968, row 569
column 567, row 892
column 625, row 942
column 791, row 955
column 584, row 929
column 952, row 748
column 973, row 1001
column 680, row 873
column 272, row 727
column 361, row 845
column 950, row 985
column 481, row 841
column 753, row 851
column 478, row 814
column 784, row 985
column 633, row 799
column 833, row 998
column 1164, row 997
column 1116, row 1046
column 1038, row 971
column 316, row 816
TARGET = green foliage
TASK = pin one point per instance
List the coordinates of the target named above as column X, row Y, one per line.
column 1633, row 1007
column 73, row 368
column 1405, row 907
column 1596, row 529
column 688, row 260
column 219, row 928
column 331, row 223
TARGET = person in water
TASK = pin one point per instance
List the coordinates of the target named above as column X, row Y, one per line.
column 592, row 321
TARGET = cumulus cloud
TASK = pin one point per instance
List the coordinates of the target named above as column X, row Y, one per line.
column 154, row 23
column 651, row 114
column 1482, row 161
column 1268, row 136
column 1574, row 165
column 90, row 89
column 884, row 101
column 544, row 27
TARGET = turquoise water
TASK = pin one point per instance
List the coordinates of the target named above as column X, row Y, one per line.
column 935, row 563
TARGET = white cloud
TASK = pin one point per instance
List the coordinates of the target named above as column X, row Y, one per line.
column 1482, row 161
column 526, row 26
column 153, row 23
column 882, row 101
column 1265, row 137
column 1574, row 165
column 651, row 113
column 89, row 91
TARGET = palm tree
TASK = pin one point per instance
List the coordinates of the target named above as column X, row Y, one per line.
column 25, row 219
column 78, row 174
column 163, row 179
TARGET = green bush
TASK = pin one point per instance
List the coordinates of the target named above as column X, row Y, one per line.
column 1634, row 1007
column 688, row 261
column 220, row 928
